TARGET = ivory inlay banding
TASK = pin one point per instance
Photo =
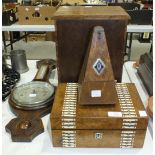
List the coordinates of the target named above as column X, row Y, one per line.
column 128, row 114
column 69, row 115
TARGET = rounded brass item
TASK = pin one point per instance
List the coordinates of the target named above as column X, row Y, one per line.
column 25, row 125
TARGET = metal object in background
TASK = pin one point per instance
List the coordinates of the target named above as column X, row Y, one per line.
column 145, row 71
column 9, row 80
column 27, row 2
column 18, row 61
column 3, row 58
column 9, row 1
column 8, row 17
column 51, row 62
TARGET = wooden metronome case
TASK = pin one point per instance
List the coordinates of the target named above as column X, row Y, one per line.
column 74, row 25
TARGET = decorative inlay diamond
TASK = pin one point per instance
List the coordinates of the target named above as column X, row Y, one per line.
column 99, row 66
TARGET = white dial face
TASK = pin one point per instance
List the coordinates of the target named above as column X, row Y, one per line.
column 32, row 93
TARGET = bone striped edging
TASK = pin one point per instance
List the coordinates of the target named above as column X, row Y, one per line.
column 69, row 115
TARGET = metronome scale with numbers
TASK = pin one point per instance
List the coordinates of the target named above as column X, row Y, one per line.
column 92, row 109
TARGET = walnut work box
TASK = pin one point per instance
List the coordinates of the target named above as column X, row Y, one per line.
column 122, row 125
column 74, row 26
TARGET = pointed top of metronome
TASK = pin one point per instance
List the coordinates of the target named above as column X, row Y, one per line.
column 97, row 65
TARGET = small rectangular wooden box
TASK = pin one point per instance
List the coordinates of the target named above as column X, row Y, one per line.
column 74, row 26
column 122, row 125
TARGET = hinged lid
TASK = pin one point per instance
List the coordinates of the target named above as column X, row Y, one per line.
column 127, row 113
column 89, row 12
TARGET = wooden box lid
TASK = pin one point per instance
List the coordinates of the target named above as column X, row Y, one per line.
column 127, row 113
column 89, row 12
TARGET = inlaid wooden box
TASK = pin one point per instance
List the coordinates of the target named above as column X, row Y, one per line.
column 74, row 26
column 122, row 125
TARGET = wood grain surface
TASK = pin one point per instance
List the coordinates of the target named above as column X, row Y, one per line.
column 110, row 139
column 28, row 124
column 74, row 26
column 96, row 117
column 96, row 12
column 101, row 79
column 87, row 121
column 97, row 49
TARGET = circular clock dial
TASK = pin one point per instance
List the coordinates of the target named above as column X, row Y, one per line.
column 32, row 94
